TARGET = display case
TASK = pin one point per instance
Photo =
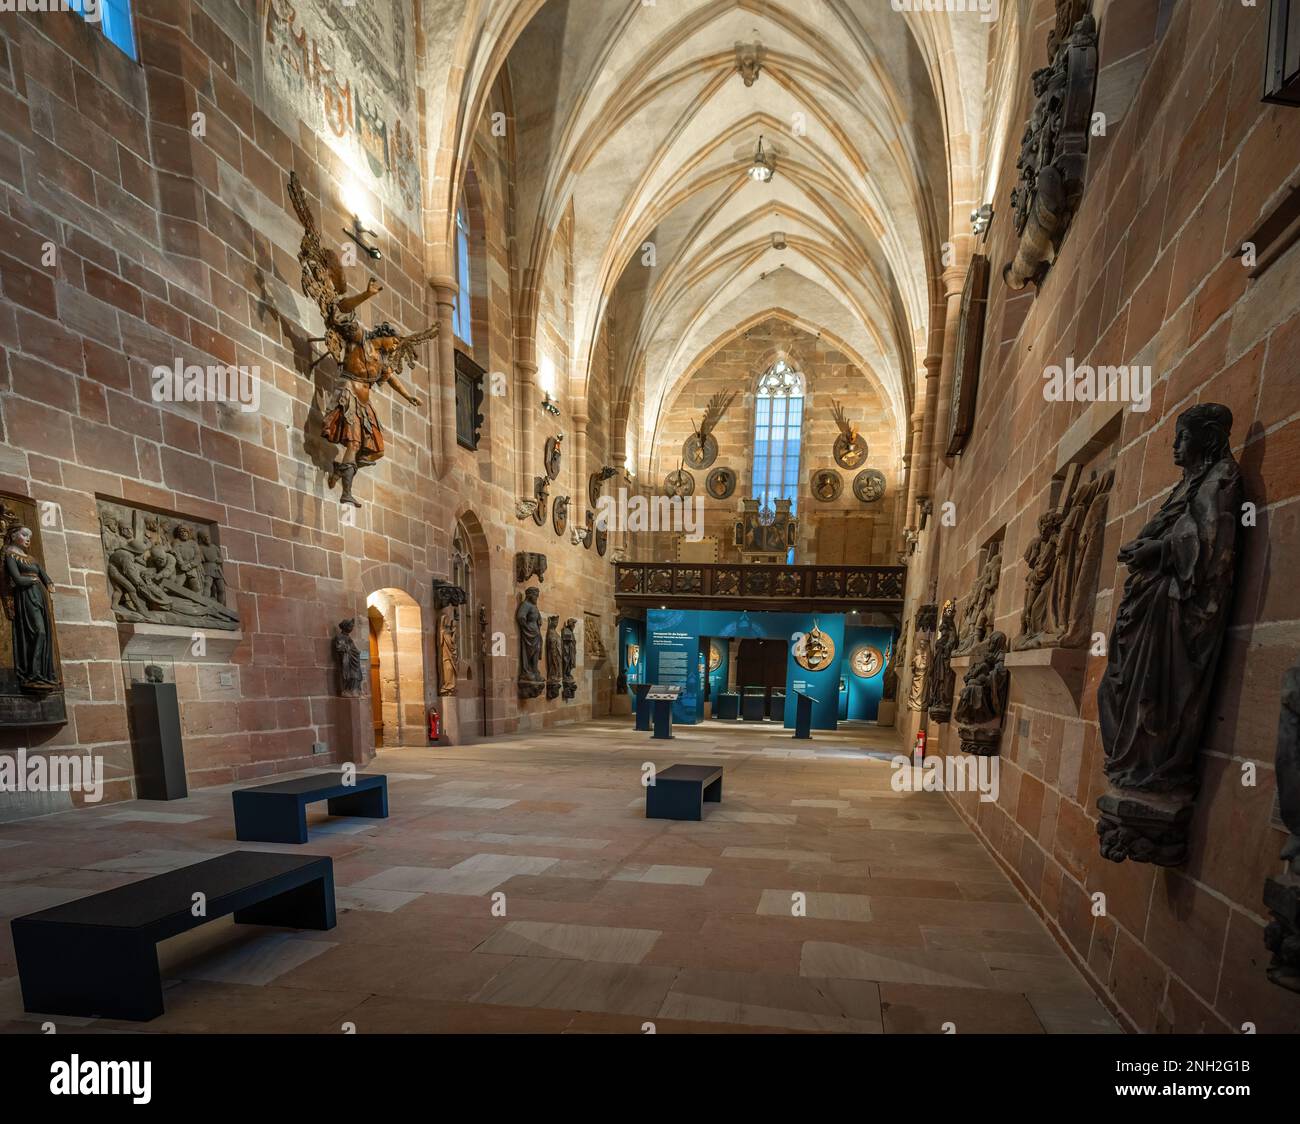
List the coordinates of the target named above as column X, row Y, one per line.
column 155, row 717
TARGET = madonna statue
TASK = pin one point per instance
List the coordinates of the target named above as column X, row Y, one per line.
column 25, row 588
column 1159, row 679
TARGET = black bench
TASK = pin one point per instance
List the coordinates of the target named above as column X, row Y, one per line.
column 679, row 792
column 96, row 956
column 277, row 813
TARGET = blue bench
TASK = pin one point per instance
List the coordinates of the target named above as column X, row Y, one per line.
column 277, row 813
column 98, row 956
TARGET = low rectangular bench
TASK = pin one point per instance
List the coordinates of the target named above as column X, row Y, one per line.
column 679, row 792
column 277, row 813
column 97, row 956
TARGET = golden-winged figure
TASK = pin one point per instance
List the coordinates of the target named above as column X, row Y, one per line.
column 366, row 358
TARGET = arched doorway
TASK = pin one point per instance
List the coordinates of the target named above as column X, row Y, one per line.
column 396, row 669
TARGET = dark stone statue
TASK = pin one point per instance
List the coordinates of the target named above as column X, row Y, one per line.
column 1282, row 894
column 348, row 655
column 982, row 707
column 554, row 658
column 943, row 680
column 25, row 587
column 977, row 617
column 1159, row 679
column 528, row 618
column 569, row 658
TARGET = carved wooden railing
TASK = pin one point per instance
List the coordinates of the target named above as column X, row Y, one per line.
column 694, row 582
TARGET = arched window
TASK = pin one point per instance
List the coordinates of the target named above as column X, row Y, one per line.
column 462, row 574
column 778, row 426
column 461, row 317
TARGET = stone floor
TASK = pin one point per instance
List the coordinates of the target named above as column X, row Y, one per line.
column 604, row 920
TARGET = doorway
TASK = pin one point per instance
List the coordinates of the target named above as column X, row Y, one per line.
column 376, row 619
column 397, row 688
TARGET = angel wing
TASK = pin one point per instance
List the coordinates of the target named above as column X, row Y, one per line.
column 847, row 428
column 403, row 357
column 713, row 412
column 322, row 276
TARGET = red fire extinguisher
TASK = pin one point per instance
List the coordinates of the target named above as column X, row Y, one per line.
column 435, row 725
column 918, row 751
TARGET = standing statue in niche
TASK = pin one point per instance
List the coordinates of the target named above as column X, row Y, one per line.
column 983, row 704
column 25, row 588
column 920, row 668
column 448, row 659
column 365, row 359
column 943, row 680
column 528, row 619
column 1159, row 680
column 1040, row 556
column 554, row 658
column 977, row 619
column 569, row 658
column 348, row 655
column 1282, row 894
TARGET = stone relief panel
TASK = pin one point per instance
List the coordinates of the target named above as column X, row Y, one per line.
column 164, row 569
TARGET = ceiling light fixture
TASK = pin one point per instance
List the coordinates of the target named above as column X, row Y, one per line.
column 762, row 168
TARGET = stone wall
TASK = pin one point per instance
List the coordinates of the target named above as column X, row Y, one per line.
column 828, row 375
column 132, row 238
column 1148, row 275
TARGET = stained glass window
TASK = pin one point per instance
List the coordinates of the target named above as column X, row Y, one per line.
column 461, row 321
column 778, row 428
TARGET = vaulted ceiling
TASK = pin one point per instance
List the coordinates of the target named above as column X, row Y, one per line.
column 637, row 115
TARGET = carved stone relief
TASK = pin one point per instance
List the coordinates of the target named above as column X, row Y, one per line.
column 982, row 707
column 163, row 569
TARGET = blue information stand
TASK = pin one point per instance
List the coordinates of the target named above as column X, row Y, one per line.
column 642, row 706
column 803, row 714
column 662, row 699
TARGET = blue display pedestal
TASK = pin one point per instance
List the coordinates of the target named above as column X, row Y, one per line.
column 803, row 714
column 642, row 706
column 663, row 719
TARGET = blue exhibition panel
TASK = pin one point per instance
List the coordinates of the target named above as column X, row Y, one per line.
column 673, row 654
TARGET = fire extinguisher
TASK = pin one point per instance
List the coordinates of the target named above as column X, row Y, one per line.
column 918, row 751
column 435, row 725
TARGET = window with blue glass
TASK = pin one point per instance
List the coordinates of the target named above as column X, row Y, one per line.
column 113, row 18
column 461, row 321
column 778, row 428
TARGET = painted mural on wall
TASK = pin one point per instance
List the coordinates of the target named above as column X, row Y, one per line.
column 347, row 70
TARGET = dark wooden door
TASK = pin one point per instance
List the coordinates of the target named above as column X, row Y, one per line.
column 376, row 700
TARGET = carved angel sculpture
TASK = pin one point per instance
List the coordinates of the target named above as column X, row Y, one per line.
column 365, row 358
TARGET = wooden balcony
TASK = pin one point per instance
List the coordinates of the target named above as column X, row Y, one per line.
column 723, row 585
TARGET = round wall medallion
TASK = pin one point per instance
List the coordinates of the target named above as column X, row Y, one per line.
column 679, row 482
column 850, row 455
column 866, row 661
column 551, row 454
column 814, row 650
column 869, row 485
column 720, row 483
column 826, row 485
column 700, row 454
column 560, row 514
column 715, row 657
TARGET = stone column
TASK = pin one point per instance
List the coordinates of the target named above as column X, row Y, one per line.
column 579, row 468
column 442, row 408
column 525, row 409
